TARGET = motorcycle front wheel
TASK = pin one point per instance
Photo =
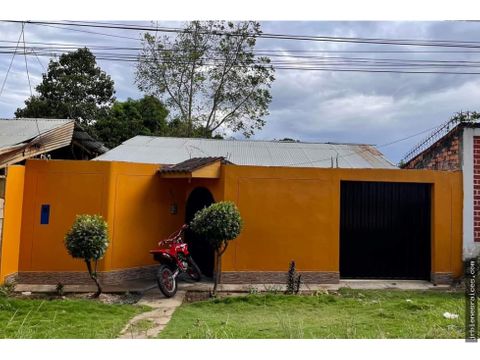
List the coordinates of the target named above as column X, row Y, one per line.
column 166, row 282
column 193, row 270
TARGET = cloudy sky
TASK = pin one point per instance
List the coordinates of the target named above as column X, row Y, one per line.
column 320, row 106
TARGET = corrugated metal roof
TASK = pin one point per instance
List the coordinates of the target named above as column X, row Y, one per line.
column 167, row 150
column 21, row 139
column 190, row 165
column 17, row 131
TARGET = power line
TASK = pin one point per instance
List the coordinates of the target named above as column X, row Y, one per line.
column 88, row 32
column 38, row 59
column 277, row 58
column 340, row 64
column 269, row 51
column 28, row 74
column 367, row 150
column 11, row 62
column 26, row 62
column 361, row 40
column 366, row 65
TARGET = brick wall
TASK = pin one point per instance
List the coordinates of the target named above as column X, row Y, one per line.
column 442, row 155
column 476, row 188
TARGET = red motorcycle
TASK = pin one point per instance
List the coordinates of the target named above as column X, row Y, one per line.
column 174, row 257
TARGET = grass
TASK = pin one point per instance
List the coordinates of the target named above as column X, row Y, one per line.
column 141, row 327
column 346, row 314
column 64, row 319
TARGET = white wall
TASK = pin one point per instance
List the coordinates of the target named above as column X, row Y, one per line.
column 470, row 248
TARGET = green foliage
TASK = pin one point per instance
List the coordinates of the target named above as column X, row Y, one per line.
column 7, row 289
column 74, row 87
column 60, row 289
column 88, row 238
column 293, row 280
column 466, row 117
column 146, row 116
column 63, row 319
column 210, row 76
column 219, row 223
column 364, row 314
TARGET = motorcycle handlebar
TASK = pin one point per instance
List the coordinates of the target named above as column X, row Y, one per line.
column 174, row 236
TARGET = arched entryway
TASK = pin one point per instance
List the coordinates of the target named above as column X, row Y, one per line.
column 201, row 250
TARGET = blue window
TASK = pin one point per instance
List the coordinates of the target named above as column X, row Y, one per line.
column 45, row 214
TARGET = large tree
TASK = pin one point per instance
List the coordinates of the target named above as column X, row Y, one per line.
column 209, row 76
column 146, row 116
column 74, row 87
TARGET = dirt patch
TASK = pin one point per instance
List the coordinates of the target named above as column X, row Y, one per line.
column 194, row 296
column 106, row 298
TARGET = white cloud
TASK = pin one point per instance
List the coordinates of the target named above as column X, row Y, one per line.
column 307, row 105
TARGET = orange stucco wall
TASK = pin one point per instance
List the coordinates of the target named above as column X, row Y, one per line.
column 134, row 201
column 70, row 188
column 12, row 224
column 289, row 213
column 294, row 213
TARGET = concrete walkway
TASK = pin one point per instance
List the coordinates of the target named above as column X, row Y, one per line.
column 149, row 324
column 143, row 286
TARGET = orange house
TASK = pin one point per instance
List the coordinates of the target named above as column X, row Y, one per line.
column 334, row 222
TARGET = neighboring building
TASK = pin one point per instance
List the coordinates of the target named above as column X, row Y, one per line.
column 364, row 219
column 168, row 150
column 455, row 146
column 22, row 139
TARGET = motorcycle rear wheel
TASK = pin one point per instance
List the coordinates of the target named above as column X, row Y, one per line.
column 166, row 282
column 193, row 270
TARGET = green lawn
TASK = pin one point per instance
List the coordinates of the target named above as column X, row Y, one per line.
column 69, row 318
column 346, row 314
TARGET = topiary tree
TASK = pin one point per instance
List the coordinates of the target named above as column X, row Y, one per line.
column 88, row 240
column 219, row 223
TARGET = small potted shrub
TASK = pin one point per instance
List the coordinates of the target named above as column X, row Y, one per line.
column 219, row 223
column 88, row 240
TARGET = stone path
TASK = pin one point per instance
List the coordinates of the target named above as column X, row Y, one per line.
column 149, row 324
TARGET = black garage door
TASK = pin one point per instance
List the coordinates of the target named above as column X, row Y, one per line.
column 385, row 230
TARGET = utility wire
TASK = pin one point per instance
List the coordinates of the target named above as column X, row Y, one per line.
column 28, row 74
column 367, row 150
column 38, row 59
column 273, row 50
column 375, row 65
column 11, row 62
column 341, row 65
column 26, row 62
column 361, row 40
column 87, row 32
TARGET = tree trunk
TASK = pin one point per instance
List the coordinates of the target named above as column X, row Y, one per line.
column 93, row 276
column 218, row 272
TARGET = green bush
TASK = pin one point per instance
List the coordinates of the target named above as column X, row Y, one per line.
column 88, row 240
column 219, row 223
column 88, row 237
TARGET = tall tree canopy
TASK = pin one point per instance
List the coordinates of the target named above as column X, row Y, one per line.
column 146, row 116
column 74, row 87
column 209, row 76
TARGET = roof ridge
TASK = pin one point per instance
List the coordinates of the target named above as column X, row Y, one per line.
column 251, row 140
column 34, row 119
